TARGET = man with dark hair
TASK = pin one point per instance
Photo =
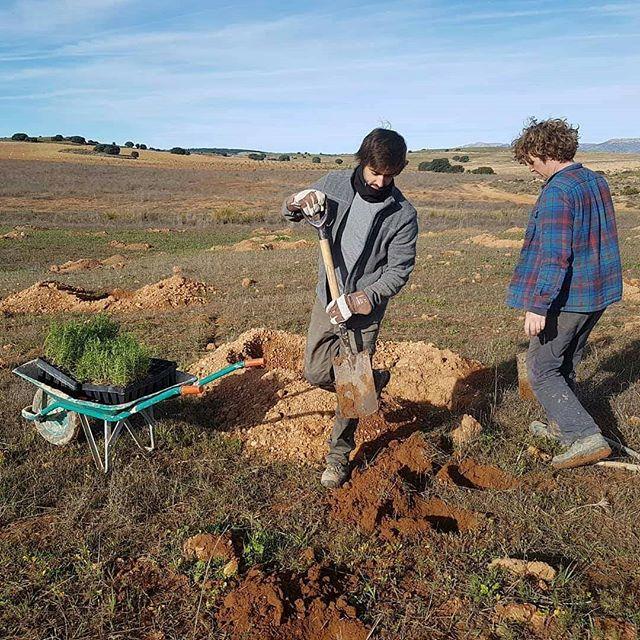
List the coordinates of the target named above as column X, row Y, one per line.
column 373, row 231
column 568, row 273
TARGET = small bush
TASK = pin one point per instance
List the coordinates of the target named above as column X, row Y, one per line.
column 284, row 158
column 112, row 150
column 128, row 144
column 100, row 148
column 316, row 160
column 630, row 191
column 92, row 142
column 440, row 165
column 179, row 151
column 135, row 154
column 57, row 138
column 483, row 171
column 77, row 139
column 33, row 140
column 461, row 158
column 20, row 137
column 339, row 161
column 143, row 146
column 257, row 156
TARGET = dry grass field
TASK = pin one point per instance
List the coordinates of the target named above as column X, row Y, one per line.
column 406, row 550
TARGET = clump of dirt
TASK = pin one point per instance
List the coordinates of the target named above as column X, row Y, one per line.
column 266, row 240
column 468, row 431
column 34, row 530
column 16, row 234
column 631, row 290
column 612, row 629
column 532, row 568
column 206, row 546
column 422, row 373
column 527, row 615
column 116, row 261
column 53, row 297
column 383, row 498
column 131, row 246
column 284, row 606
column 518, row 230
column 472, row 475
column 493, row 242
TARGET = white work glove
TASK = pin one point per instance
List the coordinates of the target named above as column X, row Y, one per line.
column 342, row 308
column 310, row 201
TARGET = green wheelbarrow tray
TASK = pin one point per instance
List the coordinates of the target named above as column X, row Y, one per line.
column 58, row 416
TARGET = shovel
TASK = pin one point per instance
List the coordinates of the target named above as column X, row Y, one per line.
column 355, row 387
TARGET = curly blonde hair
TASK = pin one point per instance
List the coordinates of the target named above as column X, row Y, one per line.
column 553, row 139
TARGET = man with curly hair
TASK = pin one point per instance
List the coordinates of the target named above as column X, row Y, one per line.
column 568, row 273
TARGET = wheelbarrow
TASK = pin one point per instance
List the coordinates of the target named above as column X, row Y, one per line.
column 58, row 417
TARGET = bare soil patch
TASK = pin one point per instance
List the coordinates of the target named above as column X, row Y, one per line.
column 87, row 264
column 631, row 290
column 468, row 473
column 54, row 297
column 493, row 242
column 131, row 246
column 285, row 606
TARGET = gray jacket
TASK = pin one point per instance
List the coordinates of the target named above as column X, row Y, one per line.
column 389, row 255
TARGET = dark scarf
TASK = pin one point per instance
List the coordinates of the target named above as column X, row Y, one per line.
column 366, row 192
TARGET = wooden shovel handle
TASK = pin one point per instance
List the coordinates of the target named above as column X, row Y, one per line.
column 327, row 258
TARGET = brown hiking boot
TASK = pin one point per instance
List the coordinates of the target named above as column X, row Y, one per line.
column 583, row 451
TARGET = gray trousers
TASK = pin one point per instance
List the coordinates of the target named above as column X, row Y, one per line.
column 552, row 359
column 323, row 345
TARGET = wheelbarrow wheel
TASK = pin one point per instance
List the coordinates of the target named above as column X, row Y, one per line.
column 60, row 428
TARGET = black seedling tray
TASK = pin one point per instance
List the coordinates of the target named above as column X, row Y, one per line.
column 54, row 377
column 162, row 374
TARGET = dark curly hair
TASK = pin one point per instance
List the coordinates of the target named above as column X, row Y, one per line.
column 384, row 150
column 553, row 139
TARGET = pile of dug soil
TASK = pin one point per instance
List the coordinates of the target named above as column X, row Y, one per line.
column 86, row 264
column 310, row 606
column 54, row 297
column 132, row 246
column 493, row 242
column 280, row 415
column 472, row 475
column 265, row 240
column 383, row 498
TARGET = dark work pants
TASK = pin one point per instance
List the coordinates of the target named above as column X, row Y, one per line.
column 552, row 359
column 323, row 345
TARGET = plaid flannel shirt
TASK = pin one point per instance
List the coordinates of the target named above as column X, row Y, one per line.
column 570, row 260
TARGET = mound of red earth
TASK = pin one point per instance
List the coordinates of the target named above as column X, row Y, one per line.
column 281, row 415
column 468, row 473
column 284, row 606
column 383, row 497
column 86, row 264
column 265, row 240
column 53, row 297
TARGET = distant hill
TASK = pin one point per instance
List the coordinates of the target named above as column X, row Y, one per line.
column 478, row 145
column 615, row 145
column 219, row 151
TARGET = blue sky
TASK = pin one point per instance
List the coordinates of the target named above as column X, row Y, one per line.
column 316, row 76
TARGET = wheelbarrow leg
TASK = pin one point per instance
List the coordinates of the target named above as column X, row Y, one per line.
column 110, row 438
column 95, row 453
column 149, row 421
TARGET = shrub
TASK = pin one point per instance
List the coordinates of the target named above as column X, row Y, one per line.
column 440, row 165
column 179, row 151
column 33, row 140
column 316, row 160
column 128, row 144
column 57, row 138
column 77, row 139
column 92, row 142
column 284, row 158
column 143, row 146
column 461, row 158
column 20, row 137
column 339, row 161
column 100, row 148
column 112, row 150
column 135, row 154
column 483, row 171
column 257, row 156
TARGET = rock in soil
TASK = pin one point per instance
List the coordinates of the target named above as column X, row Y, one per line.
column 205, row 546
column 468, row 431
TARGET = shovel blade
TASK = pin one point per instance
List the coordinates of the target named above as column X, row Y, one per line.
column 355, row 386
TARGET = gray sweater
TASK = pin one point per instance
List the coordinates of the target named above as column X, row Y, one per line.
column 388, row 256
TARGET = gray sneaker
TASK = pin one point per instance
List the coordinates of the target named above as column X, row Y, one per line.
column 542, row 430
column 583, row 451
column 334, row 475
